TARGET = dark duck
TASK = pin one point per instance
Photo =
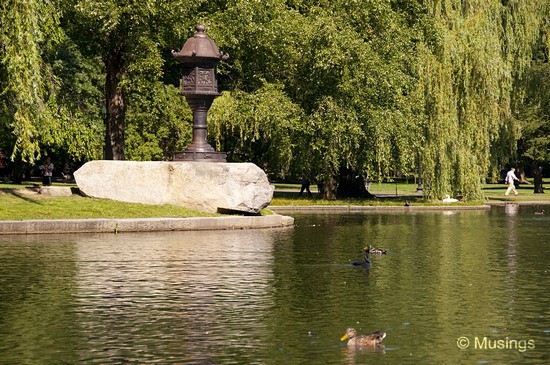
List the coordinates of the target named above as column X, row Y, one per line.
column 365, row 262
column 372, row 339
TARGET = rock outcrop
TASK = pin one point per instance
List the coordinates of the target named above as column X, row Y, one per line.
column 55, row 191
column 203, row 186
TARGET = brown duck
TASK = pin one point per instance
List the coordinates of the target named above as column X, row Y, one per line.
column 372, row 339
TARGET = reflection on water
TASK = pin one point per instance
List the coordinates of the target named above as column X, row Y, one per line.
column 282, row 296
column 199, row 293
column 511, row 209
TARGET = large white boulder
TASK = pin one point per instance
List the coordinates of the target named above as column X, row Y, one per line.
column 204, row 186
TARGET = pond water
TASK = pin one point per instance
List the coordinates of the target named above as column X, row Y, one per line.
column 284, row 296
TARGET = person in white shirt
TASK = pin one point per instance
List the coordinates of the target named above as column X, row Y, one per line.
column 510, row 177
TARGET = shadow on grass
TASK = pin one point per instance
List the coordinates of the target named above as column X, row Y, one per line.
column 294, row 195
column 18, row 194
column 504, row 187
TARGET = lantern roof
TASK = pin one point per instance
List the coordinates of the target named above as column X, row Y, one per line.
column 199, row 48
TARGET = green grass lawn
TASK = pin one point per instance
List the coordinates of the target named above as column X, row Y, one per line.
column 398, row 193
column 375, row 188
column 526, row 193
column 19, row 202
column 290, row 199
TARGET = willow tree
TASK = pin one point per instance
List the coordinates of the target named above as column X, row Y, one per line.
column 51, row 99
column 471, row 83
column 257, row 127
column 28, row 28
column 345, row 65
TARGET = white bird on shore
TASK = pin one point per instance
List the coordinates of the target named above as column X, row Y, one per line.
column 448, row 199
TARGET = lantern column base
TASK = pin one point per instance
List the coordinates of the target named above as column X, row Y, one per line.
column 199, row 149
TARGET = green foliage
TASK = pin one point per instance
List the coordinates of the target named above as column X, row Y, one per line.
column 535, row 114
column 329, row 90
column 132, row 39
column 470, row 85
column 257, row 127
column 345, row 64
column 51, row 99
column 159, row 123
column 534, row 111
column 78, row 131
column 28, row 29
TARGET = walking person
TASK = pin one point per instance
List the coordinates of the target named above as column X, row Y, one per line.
column 510, row 178
column 305, row 186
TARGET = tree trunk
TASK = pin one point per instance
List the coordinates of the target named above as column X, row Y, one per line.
column 115, row 105
column 537, row 178
column 521, row 176
column 328, row 189
column 352, row 186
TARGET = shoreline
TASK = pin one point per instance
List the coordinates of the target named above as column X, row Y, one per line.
column 360, row 208
column 354, row 208
column 121, row 225
column 277, row 220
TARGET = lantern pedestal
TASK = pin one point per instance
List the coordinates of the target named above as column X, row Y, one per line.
column 199, row 149
column 199, row 85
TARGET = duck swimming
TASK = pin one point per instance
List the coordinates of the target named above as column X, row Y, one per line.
column 371, row 339
column 365, row 262
column 376, row 251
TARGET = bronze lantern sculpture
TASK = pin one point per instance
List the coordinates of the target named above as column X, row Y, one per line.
column 199, row 85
